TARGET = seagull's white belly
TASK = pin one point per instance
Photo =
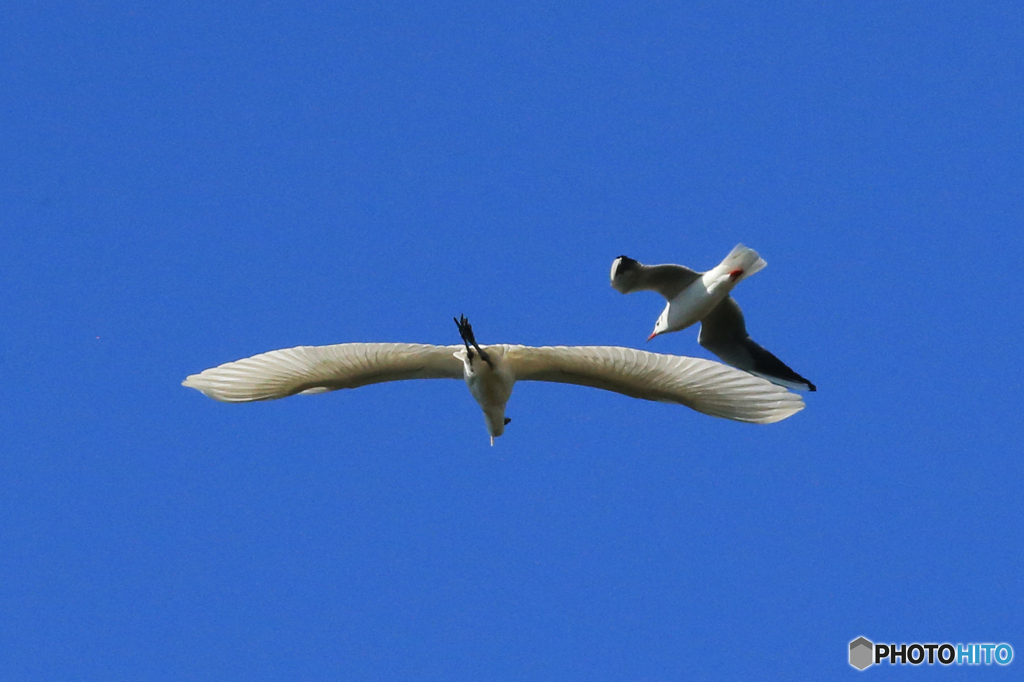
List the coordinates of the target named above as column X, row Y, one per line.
column 694, row 302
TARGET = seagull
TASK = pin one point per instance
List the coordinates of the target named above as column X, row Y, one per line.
column 704, row 297
column 490, row 372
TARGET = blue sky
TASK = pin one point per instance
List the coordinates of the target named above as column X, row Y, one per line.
column 184, row 184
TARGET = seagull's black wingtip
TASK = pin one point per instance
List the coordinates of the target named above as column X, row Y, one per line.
column 626, row 264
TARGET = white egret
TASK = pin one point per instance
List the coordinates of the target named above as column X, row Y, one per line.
column 491, row 371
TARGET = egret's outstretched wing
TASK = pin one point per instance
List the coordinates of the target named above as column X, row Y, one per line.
column 317, row 369
column 724, row 333
column 706, row 386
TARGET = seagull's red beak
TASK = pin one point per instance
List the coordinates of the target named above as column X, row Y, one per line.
column 653, row 334
column 735, row 274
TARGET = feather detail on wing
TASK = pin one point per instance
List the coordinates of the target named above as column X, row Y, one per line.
column 318, row 369
column 724, row 333
column 703, row 385
column 628, row 275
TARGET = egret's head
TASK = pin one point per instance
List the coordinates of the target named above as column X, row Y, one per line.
column 496, row 421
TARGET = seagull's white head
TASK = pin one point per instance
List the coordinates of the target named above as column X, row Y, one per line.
column 661, row 326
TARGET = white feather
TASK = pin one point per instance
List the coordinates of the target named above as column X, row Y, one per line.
column 703, row 385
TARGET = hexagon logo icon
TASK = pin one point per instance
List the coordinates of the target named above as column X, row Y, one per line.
column 862, row 653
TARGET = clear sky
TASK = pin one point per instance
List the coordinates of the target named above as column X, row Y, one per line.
column 183, row 184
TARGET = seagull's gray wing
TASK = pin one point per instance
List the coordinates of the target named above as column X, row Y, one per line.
column 724, row 333
column 318, row 369
column 629, row 275
column 703, row 385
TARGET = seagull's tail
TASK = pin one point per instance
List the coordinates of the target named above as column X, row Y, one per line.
column 744, row 261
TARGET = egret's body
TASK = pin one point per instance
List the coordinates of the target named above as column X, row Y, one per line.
column 490, row 372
